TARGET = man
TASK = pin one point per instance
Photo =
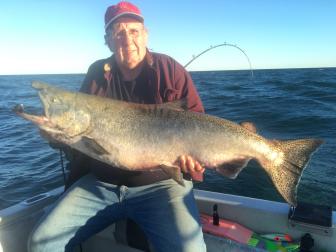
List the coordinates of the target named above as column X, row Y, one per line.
column 97, row 194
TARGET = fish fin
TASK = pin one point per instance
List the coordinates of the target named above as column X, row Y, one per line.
column 286, row 170
column 232, row 168
column 249, row 126
column 92, row 145
column 179, row 105
column 174, row 172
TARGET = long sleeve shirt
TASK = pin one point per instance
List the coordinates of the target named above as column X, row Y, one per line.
column 162, row 79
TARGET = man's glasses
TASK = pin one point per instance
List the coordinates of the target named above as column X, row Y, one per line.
column 122, row 33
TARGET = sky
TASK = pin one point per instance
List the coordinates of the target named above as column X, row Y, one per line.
column 66, row 36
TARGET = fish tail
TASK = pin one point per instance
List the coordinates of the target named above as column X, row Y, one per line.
column 286, row 169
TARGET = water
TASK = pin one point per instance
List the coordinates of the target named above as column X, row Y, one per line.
column 284, row 104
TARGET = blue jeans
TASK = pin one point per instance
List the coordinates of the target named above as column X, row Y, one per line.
column 166, row 212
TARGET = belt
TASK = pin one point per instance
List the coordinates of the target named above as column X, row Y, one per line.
column 136, row 178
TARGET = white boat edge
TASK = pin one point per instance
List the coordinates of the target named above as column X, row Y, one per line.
column 261, row 216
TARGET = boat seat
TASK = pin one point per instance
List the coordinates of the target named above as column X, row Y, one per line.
column 122, row 236
column 128, row 232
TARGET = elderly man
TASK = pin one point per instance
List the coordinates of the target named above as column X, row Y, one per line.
column 97, row 194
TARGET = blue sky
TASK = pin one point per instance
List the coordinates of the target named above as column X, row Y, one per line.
column 47, row 36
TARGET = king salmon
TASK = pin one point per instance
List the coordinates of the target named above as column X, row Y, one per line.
column 147, row 137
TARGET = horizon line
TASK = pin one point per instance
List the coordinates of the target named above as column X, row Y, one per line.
column 245, row 69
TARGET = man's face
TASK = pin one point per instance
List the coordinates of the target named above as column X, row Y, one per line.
column 127, row 38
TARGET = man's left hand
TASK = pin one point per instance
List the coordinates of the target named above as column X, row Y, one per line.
column 191, row 166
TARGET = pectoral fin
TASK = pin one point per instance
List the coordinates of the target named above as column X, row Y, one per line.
column 93, row 146
column 232, row 168
column 174, row 172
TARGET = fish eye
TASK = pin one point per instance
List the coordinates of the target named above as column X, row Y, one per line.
column 53, row 99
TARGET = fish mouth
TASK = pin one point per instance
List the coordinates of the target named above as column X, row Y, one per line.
column 47, row 128
column 40, row 120
column 43, row 120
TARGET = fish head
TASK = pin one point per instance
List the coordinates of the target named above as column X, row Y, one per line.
column 64, row 112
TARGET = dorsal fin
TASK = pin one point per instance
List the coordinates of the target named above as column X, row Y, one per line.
column 178, row 105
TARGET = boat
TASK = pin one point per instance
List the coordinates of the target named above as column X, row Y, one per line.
column 262, row 216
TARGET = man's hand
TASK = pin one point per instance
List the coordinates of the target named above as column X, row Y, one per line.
column 191, row 166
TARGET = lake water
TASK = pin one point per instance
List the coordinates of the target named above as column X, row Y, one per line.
column 284, row 104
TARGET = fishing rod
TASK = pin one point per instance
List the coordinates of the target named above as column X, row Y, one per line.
column 224, row 44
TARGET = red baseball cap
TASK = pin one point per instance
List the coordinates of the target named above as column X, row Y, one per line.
column 122, row 8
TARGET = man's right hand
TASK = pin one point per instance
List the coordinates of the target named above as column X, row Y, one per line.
column 191, row 166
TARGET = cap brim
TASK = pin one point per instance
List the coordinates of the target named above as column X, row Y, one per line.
column 126, row 14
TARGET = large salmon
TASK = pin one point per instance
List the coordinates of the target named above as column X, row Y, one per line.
column 146, row 137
